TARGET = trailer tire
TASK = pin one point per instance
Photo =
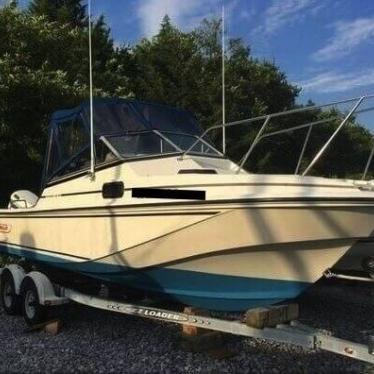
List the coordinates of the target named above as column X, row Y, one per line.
column 9, row 299
column 33, row 312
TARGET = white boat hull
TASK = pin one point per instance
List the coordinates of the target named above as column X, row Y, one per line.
column 202, row 254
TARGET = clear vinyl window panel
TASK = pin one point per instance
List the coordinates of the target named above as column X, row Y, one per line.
column 151, row 143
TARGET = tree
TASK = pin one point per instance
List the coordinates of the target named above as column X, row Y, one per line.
column 184, row 69
column 62, row 11
column 166, row 68
column 109, row 77
column 43, row 67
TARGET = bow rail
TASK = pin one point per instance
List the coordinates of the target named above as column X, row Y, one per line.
column 266, row 120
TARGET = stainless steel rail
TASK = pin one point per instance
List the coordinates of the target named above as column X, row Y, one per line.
column 368, row 163
column 303, row 150
column 332, row 137
column 357, row 101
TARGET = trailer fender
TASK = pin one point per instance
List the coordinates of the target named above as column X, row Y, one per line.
column 44, row 286
column 18, row 274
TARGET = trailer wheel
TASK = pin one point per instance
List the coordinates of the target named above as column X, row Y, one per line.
column 33, row 312
column 9, row 299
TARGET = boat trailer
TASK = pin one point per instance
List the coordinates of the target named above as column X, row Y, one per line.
column 332, row 273
column 293, row 332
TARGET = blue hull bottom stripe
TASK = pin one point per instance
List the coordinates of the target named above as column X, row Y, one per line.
column 210, row 291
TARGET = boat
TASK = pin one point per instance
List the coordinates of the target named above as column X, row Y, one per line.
column 147, row 202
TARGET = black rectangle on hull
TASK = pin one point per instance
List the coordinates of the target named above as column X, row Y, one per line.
column 160, row 193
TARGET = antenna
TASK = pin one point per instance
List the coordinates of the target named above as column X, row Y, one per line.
column 92, row 142
column 223, row 84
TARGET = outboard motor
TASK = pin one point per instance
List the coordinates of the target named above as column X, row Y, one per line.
column 22, row 199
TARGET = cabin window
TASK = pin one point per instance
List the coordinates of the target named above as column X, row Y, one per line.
column 103, row 154
column 53, row 157
column 73, row 138
column 69, row 148
column 79, row 162
column 122, row 129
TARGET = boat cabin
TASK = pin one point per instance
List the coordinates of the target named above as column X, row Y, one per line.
column 123, row 129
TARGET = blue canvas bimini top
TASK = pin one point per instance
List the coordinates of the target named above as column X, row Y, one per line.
column 114, row 116
column 128, row 125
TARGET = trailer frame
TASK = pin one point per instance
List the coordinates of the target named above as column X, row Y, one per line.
column 294, row 332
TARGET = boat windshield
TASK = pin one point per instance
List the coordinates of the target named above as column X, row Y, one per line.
column 122, row 129
column 155, row 142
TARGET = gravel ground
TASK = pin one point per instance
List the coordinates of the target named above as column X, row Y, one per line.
column 98, row 341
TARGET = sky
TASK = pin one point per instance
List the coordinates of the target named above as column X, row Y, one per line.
column 326, row 47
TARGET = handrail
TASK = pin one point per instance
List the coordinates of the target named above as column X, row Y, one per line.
column 310, row 125
column 266, row 120
column 368, row 162
column 303, row 149
column 289, row 129
column 332, row 137
column 274, row 115
column 256, row 140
